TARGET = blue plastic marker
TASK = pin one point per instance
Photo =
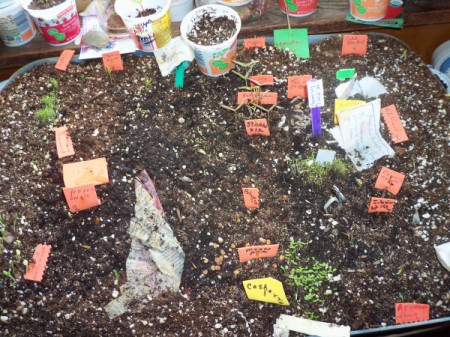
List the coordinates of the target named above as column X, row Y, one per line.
column 179, row 74
column 316, row 122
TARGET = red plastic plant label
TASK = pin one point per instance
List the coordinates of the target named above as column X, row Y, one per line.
column 389, row 180
column 257, row 252
column 411, row 312
column 64, row 59
column 256, row 42
column 86, row 172
column 394, row 124
column 297, row 86
column 36, row 268
column 257, row 127
column 80, row 198
column 381, row 205
column 261, row 80
column 64, row 146
column 112, row 61
column 266, row 97
column 354, row 45
column 251, row 197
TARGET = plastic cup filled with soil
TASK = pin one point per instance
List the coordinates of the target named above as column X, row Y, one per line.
column 212, row 31
column 148, row 22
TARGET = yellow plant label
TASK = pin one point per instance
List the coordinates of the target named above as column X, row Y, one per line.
column 266, row 290
column 342, row 104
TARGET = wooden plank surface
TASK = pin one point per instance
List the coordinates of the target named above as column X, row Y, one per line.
column 429, row 19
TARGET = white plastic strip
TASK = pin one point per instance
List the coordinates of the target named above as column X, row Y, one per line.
column 311, row 327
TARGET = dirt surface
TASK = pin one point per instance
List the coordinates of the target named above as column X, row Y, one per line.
column 210, row 29
column 200, row 162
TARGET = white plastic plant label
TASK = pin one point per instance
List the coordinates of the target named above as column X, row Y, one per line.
column 315, row 93
column 443, row 254
column 310, row 327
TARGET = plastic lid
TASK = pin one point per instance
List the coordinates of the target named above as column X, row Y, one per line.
column 6, row 3
column 233, row 3
column 441, row 57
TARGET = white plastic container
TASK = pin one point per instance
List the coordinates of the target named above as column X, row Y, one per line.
column 441, row 58
column 60, row 25
column 215, row 60
column 16, row 27
column 6, row 3
column 150, row 32
column 179, row 9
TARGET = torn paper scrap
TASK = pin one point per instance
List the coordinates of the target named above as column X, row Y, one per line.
column 148, row 184
column 175, row 52
column 368, row 87
column 36, row 269
column 359, row 135
column 443, row 254
column 310, row 327
column 156, row 259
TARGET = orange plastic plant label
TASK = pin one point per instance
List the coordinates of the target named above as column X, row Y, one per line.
column 112, row 60
column 257, row 127
column 37, row 267
column 354, row 45
column 257, row 252
column 64, row 59
column 297, row 86
column 80, row 198
column 87, row 172
column 251, row 197
column 411, row 312
column 64, row 145
column 394, row 124
column 256, row 42
column 381, row 205
column 389, row 180
column 266, row 97
column 261, row 80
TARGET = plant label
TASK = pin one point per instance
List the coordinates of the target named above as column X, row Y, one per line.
column 394, row 124
column 257, row 252
column 64, row 146
column 251, row 197
column 36, row 269
column 315, row 93
column 266, row 97
column 256, row 42
column 266, row 290
column 325, row 156
column 411, row 312
column 261, row 80
column 257, row 127
column 64, row 59
column 389, row 180
column 86, row 172
column 112, row 60
column 316, row 122
column 80, row 198
column 381, row 205
column 343, row 74
column 144, row 179
column 354, row 45
column 310, row 327
column 296, row 40
column 297, row 86
column 343, row 104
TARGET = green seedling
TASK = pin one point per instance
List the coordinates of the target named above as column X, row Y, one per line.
column 25, row 263
column 47, row 114
column 249, row 66
column 116, row 275
column 148, row 82
column 404, row 54
column 109, row 72
column 8, row 274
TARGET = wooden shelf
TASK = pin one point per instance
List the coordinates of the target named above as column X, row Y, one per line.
column 427, row 25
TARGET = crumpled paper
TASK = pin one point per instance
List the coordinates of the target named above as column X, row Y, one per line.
column 171, row 55
column 367, row 87
column 156, row 259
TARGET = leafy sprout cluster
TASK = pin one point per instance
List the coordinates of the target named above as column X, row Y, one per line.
column 318, row 173
column 308, row 274
column 47, row 114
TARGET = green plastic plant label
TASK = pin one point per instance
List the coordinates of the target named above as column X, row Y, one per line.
column 343, row 74
column 296, row 40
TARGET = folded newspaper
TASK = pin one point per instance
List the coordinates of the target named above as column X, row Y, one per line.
column 156, row 259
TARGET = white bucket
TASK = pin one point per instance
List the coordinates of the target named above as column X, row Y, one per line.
column 6, row 3
column 233, row 3
column 179, row 9
column 16, row 27
column 441, row 58
column 212, row 60
column 151, row 32
column 60, row 25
